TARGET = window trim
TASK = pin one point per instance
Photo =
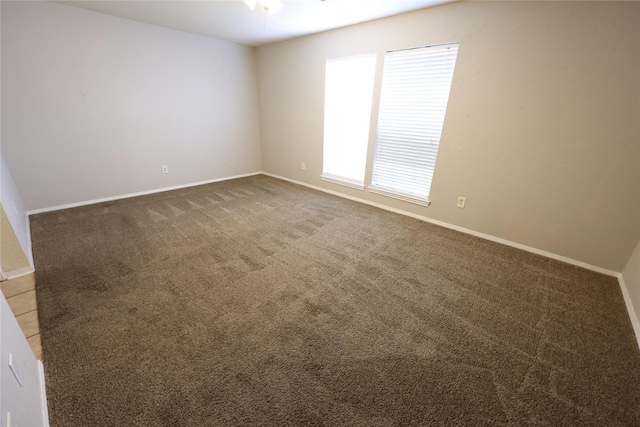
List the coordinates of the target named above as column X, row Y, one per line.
column 400, row 196
column 342, row 181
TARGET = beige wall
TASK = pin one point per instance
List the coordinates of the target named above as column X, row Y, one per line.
column 542, row 133
column 93, row 105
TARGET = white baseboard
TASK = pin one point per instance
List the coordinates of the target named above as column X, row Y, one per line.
column 630, row 309
column 43, row 396
column 458, row 228
column 627, row 299
column 14, row 274
column 625, row 293
column 29, row 243
column 140, row 193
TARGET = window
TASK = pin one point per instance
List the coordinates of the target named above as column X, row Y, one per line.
column 347, row 118
column 413, row 101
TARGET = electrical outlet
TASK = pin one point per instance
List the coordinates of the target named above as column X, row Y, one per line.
column 461, row 202
column 226, row 162
column 165, row 169
column 303, row 166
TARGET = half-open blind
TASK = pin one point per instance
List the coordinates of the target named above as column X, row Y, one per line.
column 413, row 101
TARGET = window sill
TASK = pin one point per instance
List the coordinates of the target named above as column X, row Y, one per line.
column 396, row 195
column 342, row 181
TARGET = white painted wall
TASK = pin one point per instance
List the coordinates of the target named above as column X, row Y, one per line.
column 15, row 210
column 631, row 278
column 541, row 134
column 26, row 402
column 93, row 105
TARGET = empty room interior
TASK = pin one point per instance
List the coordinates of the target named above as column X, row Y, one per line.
column 327, row 212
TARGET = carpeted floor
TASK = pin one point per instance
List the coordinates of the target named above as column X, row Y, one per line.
column 256, row 302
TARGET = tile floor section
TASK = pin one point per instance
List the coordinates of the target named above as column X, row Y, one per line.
column 21, row 296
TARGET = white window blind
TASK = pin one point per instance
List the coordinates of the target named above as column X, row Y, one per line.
column 347, row 118
column 413, row 101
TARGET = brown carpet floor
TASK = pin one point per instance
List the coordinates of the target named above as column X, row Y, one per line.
column 256, row 302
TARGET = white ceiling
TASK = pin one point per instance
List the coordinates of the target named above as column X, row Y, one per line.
column 234, row 21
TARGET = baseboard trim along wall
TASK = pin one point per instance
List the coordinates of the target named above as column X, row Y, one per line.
column 457, row 228
column 14, row 274
column 29, row 243
column 625, row 293
column 43, row 395
column 627, row 299
column 335, row 193
column 630, row 309
column 141, row 193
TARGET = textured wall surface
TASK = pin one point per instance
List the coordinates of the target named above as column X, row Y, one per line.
column 541, row 134
column 93, row 105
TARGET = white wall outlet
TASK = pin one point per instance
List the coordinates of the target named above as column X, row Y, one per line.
column 226, row 162
column 461, row 202
column 165, row 169
column 303, row 166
